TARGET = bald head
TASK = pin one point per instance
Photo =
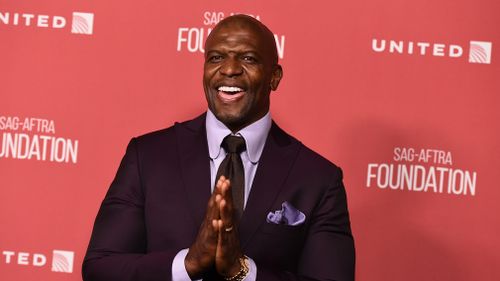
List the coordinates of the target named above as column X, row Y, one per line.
column 244, row 22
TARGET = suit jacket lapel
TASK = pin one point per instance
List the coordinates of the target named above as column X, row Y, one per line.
column 195, row 165
column 277, row 158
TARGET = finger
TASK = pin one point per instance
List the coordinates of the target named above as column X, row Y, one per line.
column 222, row 245
column 214, row 211
column 220, row 225
column 226, row 191
column 215, row 225
column 228, row 249
column 226, row 226
column 211, row 200
column 220, row 252
column 225, row 212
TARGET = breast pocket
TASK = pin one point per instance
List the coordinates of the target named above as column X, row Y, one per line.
column 282, row 230
column 278, row 245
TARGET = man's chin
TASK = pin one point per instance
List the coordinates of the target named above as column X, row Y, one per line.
column 230, row 120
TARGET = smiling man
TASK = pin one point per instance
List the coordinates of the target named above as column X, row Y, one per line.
column 241, row 69
column 227, row 195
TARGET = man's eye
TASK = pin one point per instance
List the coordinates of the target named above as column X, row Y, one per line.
column 249, row 59
column 215, row 58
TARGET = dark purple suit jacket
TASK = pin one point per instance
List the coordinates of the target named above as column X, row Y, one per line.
column 158, row 198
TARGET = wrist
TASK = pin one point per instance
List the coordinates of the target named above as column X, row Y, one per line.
column 233, row 269
column 192, row 267
column 243, row 269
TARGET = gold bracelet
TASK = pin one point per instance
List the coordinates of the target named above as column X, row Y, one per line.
column 245, row 268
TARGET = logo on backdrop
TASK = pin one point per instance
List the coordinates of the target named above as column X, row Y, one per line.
column 479, row 51
column 81, row 23
column 29, row 138
column 192, row 39
column 421, row 170
column 62, row 261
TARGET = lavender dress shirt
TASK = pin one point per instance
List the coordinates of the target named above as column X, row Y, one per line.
column 255, row 136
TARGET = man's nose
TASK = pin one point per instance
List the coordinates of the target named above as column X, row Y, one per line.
column 231, row 67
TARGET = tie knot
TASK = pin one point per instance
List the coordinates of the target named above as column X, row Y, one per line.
column 234, row 144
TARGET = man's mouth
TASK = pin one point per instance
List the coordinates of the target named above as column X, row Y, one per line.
column 230, row 93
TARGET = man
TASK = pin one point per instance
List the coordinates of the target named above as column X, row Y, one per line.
column 280, row 215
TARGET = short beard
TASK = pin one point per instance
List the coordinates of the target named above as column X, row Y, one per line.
column 234, row 123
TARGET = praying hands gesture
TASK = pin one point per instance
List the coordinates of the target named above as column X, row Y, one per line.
column 217, row 244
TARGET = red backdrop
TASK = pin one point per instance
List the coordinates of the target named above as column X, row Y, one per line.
column 404, row 96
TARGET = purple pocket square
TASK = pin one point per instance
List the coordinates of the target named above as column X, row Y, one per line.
column 288, row 215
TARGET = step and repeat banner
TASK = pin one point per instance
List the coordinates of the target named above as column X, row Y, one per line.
column 403, row 95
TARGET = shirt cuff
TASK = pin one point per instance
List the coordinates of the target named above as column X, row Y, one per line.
column 179, row 272
column 252, row 272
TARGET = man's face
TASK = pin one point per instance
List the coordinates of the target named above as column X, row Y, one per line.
column 239, row 73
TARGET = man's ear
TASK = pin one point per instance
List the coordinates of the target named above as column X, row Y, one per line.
column 276, row 78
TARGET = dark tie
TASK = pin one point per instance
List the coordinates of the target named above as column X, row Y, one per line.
column 232, row 168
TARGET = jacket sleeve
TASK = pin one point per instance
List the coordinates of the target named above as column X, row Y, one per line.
column 117, row 248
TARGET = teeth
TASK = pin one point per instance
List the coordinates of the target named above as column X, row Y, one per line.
column 230, row 89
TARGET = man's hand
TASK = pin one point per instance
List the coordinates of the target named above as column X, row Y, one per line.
column 228, row 250
column 217, row 243
column 201, row 255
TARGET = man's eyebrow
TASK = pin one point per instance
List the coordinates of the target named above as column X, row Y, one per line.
column 212, row 52
column 254, row 53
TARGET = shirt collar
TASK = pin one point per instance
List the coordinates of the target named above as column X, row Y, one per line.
column 255, row 136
